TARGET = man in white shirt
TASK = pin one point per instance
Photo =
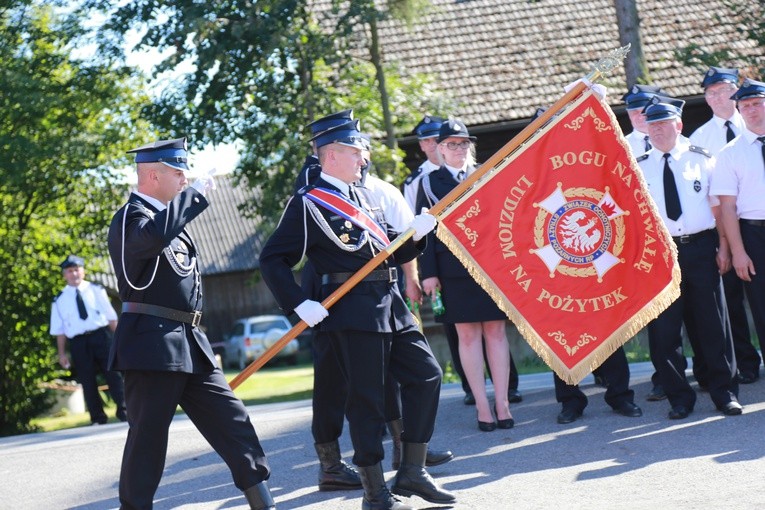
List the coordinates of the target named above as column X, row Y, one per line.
column 726, row 124
column 636, row 99
column 739, row 182
column 427, row 132
column 82, row 313
column 678, row 176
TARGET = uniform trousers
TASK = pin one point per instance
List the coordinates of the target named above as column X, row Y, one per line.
column 702, row 302
column 754, row 242
column 747, row 358
column 90, row 353
column 365, row 358
column 330, row 392
column 615, row 370
column 216, row 412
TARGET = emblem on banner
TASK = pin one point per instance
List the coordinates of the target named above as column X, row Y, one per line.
column 579, row 232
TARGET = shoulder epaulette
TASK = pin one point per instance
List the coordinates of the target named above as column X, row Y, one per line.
column 413, row 175
column 700, row 150
column 305, row 189
column 642, row 158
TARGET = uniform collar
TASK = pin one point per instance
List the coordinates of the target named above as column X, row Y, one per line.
column 159, row 206
column 334, row 181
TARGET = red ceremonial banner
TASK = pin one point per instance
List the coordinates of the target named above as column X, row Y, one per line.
column 564, row 236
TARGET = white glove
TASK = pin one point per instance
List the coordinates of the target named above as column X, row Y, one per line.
column 205, row 182
column 422, row 224
column 596, row 88
column 311, row 312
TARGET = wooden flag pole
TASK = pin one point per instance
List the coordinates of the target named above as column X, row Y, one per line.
column 603, row 66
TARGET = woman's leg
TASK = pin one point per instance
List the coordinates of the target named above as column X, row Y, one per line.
column 471, row 355
column 498, row 356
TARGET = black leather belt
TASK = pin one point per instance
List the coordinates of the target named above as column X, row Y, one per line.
column 88, row 333
column 754, row 223
column 692, row 237
column 192, row 318
column 389, row 275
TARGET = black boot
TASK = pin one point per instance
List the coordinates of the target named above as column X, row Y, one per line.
column 376, row 493
column 433, row 458
column 259, row 497
column 413, row 480
column 334, row 474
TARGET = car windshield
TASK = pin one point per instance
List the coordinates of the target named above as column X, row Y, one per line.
column 262, row 327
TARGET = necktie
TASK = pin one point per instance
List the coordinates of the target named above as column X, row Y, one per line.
column 671, row 198
column 81, row 305
column 647, row 143
column 762, row 147
column 460, row 176
column 353, row 196
column 729, row 134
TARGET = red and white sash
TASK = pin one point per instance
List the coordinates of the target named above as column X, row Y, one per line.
column 340, row 204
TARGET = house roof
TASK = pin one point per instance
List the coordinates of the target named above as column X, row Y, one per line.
column 501, row 59
column 228, row 241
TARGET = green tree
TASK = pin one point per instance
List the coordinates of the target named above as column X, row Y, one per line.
column 63, row 125
column 258, row 73
column 749, row 20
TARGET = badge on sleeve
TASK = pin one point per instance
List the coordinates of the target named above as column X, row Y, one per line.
column 345, row 238
column 696, row 185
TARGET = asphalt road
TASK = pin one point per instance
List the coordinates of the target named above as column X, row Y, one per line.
column 603, row 461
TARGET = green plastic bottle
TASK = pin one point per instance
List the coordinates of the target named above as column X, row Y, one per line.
column 437, row 303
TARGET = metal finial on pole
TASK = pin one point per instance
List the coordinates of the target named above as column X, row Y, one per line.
column 607, row 64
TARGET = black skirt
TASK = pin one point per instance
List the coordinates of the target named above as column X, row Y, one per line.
column 466, row 301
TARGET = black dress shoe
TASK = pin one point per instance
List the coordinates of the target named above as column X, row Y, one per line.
column 514, row 396
column 569, row 415
column 505, row 424
column 628, row 409
column 438, row 457
column 656, row 394
column 469, row 399
column 746, row 378
column 486, row 426
column 679, row 412
column 732, row 408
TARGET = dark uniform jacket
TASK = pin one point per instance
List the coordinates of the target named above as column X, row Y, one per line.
column 147, row 342
column 437, row 260
column 334, row 246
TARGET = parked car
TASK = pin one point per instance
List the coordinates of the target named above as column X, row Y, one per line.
column 251, row 336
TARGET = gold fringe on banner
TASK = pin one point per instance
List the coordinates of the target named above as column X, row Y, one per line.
column 631, row 326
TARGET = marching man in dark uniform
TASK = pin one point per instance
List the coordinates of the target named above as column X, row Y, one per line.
column 678, row 176
column 166, row 359
column 81, row 313
column 370, row 328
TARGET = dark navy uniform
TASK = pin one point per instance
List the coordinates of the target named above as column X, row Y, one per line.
column 168, row 361
column 370, row 326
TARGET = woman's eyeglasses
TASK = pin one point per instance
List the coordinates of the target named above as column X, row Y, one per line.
column 457, row 145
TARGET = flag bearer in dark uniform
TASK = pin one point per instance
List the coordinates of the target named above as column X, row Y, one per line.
column 370, row 328
column 166, row 359
column 678, row 176
column 725, row 125
column 739, row 181
column 81, row 314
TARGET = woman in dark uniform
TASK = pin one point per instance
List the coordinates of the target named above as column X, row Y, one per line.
column 466, row 304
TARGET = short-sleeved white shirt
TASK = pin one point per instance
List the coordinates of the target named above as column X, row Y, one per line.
column 65, row 318
column 740, row 172
column 395, row 209
column 692, row 172
column 712, row 135
column 412, row 184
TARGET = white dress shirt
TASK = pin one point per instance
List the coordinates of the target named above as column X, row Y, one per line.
column 692, row 172
column 65, row 318
column 412, row 186
column 740, row 172
column 713, row 134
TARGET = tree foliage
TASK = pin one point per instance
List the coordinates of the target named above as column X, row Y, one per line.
column 749, row 20
column 258, row 73
column 63, row 125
